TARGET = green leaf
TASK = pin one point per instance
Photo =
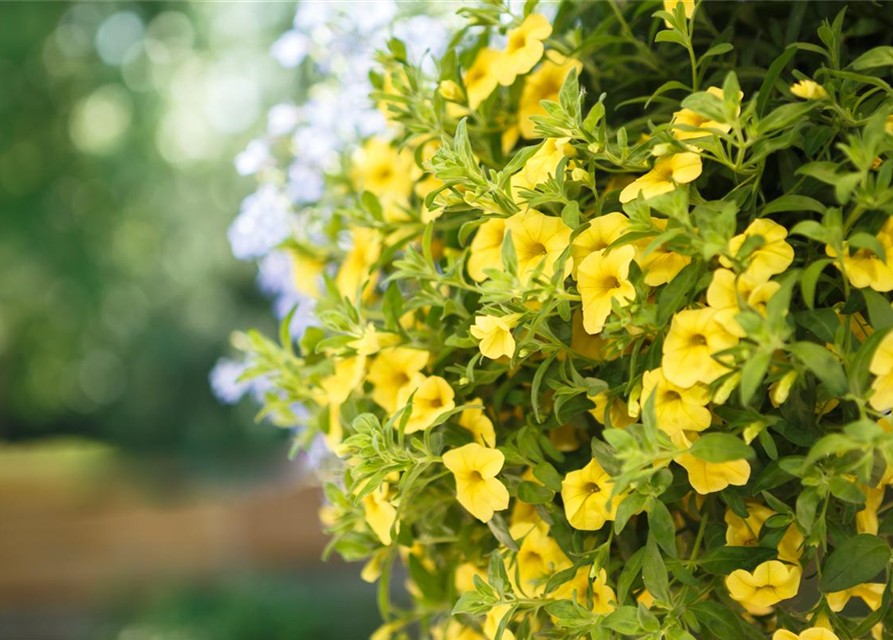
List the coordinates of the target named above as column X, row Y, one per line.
column 858, row 559
column 811, row 278
column 537, row 383
column 500, row 531
column 628, row 575
column 674, row 295
column 873, row 58
column 864, row 240
column 845, row 490
column 718, row 49
column 705, row 104
column 793, row 202
column 721, row 447
column 718, row 619
column 858, row 368
column 752, row 375
column 654, row 572
column 721, row 561
column 671, row 36
column 823, row 364
column 784, row 116
column 533, row 493
column 547, row 474
column 660, row 524
column 880, row 313
column 771, row 77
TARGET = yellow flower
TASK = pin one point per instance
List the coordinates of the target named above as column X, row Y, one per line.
column 769, row 584
column 493, row 618
column 781, row 388
column 354, row 270
column 543, row 164
column 380, row 513
column 495, row 335
column 694, row 337
column 481, row 427
column 602, row 278
column 464, row 576
column 543, row 84
column 598, row 236
column 881, row 398
column 723, row 294
column 660, row 266
column 677, row 408
column 334, row 391
column 864, row 268
column 603, row 596
column 692, row 119
column 483, row 76
column 433, row 396
column 815, row 633
column 565, row 438
column 450, row 91
column 619, row 413
column 386, row 172
column 808, row 90
column 866, row 520
column 486, row 249
column 872, row 594
column 524, row 48
column 538, row 558
column 774, row 257
column 391, row 370
column 306, row 273
column 668, row 171
column 538, row 239
column 710, row 477
column 586, row 494
column 477, row 489
column 687, row 5
column 744, row 533
column 372, row 341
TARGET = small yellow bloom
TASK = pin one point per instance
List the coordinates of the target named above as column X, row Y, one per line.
column 539, row 240
column 491, row 622
column 602, row 278
column 544, row 163
column 745, row 533
column 334, row 391
column 524, row 48
column 881, row 398
column 660, row 266
column 433, row 396
column 486, row 249
column 769, row 584
column 306, row 273
column 380, row 513
column 386, row 172
column 724, row 292
column 864, row 268
column 618, row 412
column 543, row 84
column 668, row 171
column 781, row 388
column 538, row 558
column 598, row 236
column 483, row 76
column 691, row 119
column 676, row 408
column 464, row 576
column 495, row 334
column 372, row 341
column 710, row 477
column 872, row 593
column 774, row 257
column 815, row 633
column 477, row 489
column 481, row 427
column 687, row 5
column 694, row 337
column 603, row 596
column 586, row 494
column 450, row 91
column 392, row 370
column 808, row 90
column 355, row 269
column 867, row 520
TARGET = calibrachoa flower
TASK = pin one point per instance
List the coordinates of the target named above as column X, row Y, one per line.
column 477, row 488
column 486, row 249
column 495, row 334
column 539, row 241
column 587, row 497
column 689, row 351
column 769, row 584
column 432, row 397
column 677, row 408
column 668, row 171
column 808, row 90
column 524, row 48
column 603, row 280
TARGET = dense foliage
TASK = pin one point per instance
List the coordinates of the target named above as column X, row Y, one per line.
column 601, row 325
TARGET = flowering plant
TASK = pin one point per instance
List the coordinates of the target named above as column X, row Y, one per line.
column 608, row 351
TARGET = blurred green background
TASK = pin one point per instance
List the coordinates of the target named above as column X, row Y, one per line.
column 118, row 127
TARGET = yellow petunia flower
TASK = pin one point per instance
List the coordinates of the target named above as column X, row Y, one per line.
column 481, row 427
column 881, row 398
column 668, row 171
column 660, row 266
column 603, row 596
column 745, row 532
column 334, row 391
column 710, row 477
column 495, row 335
column 770, row 583
column 602, row 278
column 694, row 337
column 355, row 268
column 386, row 172
column 864, row 268
column 689, row 118
column 539, row 240
column 808, row 90
column 724, row 292
column 598, row 236
column 391, row 370
column 524, row 48
column 815, row 633
column 483, row 76
column 586, row 493
column 380, row 514
column 677, row 408
column 618, row 412
column 872, row 593
column 774, row 257
column 543, row 84
column 486, row 249
column 538, row 558
column 867, row 519
column 543, row 164
column 477, row 489
column 433, row 396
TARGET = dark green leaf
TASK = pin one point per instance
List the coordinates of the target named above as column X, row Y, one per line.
column 858, row 559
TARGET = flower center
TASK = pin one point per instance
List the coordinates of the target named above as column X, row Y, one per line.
column 671, row 396
column 698, row 340
column 538, row 249
column 591, row 487
column 516, row 42
column 475, row 476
